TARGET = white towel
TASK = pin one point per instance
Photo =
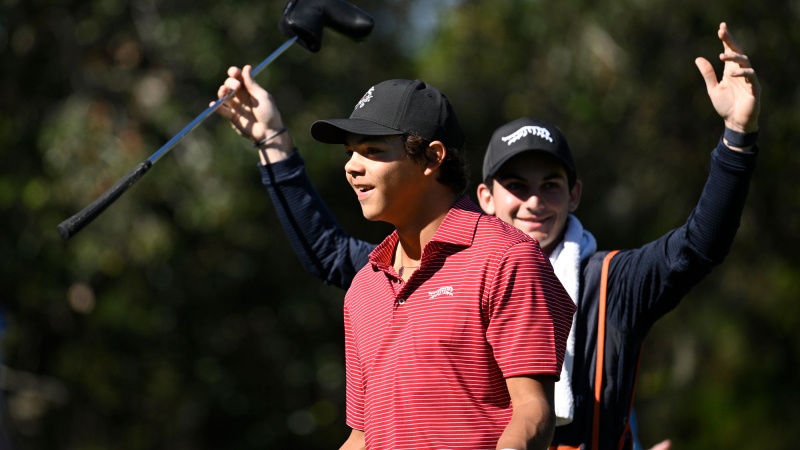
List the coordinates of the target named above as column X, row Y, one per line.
column 578, row 244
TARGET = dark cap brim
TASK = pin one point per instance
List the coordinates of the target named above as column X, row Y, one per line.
column 492, row 171
column 334, row 131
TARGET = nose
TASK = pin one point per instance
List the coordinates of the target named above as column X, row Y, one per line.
column 532, row 202
column 354, row 165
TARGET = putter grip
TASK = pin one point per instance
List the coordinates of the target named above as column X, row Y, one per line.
column 71, row 226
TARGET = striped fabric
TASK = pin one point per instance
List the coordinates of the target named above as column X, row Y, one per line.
column 427, row 359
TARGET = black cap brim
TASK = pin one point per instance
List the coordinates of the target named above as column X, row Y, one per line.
column 334, row 131
column 492, row 171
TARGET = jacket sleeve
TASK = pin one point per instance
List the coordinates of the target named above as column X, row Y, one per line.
column 647, row 282
column 324, row 249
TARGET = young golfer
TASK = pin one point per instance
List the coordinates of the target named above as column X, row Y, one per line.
column 456, row 327
column 531, row 182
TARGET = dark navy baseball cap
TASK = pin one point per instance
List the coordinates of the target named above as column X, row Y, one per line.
column 524, row 135
column 397, row 107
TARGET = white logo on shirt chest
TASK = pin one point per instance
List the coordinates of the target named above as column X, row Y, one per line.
column 447, row 290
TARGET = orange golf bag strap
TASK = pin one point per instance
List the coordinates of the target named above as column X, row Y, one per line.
column 599, row 364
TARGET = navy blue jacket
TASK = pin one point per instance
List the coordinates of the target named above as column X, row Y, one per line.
column 644, row 283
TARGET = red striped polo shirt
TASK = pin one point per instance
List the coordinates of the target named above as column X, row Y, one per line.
column 427, row 359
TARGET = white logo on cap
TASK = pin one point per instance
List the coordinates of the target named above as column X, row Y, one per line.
column 366, row 98
column 543, row 133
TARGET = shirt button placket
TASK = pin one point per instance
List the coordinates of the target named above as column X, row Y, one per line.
column 402, row 297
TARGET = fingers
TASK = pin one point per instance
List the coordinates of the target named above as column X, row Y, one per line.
column 727, row 38
column 663, row 445
column 228, row 86
column 229, row 114
column 253, row 88
column 233, row 107
column 249, row 82
column 734, row 53
column 232, row 83
column 707, row 71
column 244, row 77
column 738, row 58
column 223, row 91
column 223, row 111
column 241, row 100
column 239, row 79
column 710, row 77
column 234, row 72
column 748, row 73
column 730, row 44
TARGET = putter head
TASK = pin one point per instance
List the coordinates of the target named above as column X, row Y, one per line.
column 306, row 19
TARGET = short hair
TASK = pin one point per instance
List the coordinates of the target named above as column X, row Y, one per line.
column 453, row 172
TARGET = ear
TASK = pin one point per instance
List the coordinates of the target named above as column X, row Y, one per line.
column 434, row 156
column 575, row 196
column 486, row 199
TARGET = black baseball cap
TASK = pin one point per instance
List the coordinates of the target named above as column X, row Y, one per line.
column 397, row 107
column 523, row 135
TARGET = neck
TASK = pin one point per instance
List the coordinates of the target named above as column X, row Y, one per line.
column 423, row 224
column 549, row 249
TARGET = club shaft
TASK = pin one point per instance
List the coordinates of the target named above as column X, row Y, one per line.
column 210, row 110
column 69, row 227
column 268, row 60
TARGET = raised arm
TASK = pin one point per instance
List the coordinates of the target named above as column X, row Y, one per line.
column 323, row 247
column 651, row 280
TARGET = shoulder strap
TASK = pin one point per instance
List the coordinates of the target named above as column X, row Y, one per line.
column 601, row 349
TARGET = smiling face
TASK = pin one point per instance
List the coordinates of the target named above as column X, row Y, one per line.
column 387, row 182
column 531, row 192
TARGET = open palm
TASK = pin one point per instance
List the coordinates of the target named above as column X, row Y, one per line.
column 736, row 97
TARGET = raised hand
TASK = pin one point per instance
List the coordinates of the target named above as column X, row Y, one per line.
column 253, row 114
column 736, row 97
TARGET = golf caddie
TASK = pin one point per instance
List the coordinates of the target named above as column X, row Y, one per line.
column 455, row 329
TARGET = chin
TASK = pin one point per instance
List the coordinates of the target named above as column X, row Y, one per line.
column 542, row 240
column 369, row 214
column 536, row 234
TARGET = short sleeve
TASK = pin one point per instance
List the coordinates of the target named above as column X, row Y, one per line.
column 529, row 312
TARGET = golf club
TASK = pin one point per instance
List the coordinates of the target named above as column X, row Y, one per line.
column 302, row 21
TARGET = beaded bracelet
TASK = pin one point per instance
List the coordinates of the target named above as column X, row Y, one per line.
column 267, row 139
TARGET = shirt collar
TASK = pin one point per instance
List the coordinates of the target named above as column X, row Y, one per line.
column 457, row 228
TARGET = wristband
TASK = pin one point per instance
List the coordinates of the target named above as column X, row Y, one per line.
column 741, row 140
column 277, row 133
